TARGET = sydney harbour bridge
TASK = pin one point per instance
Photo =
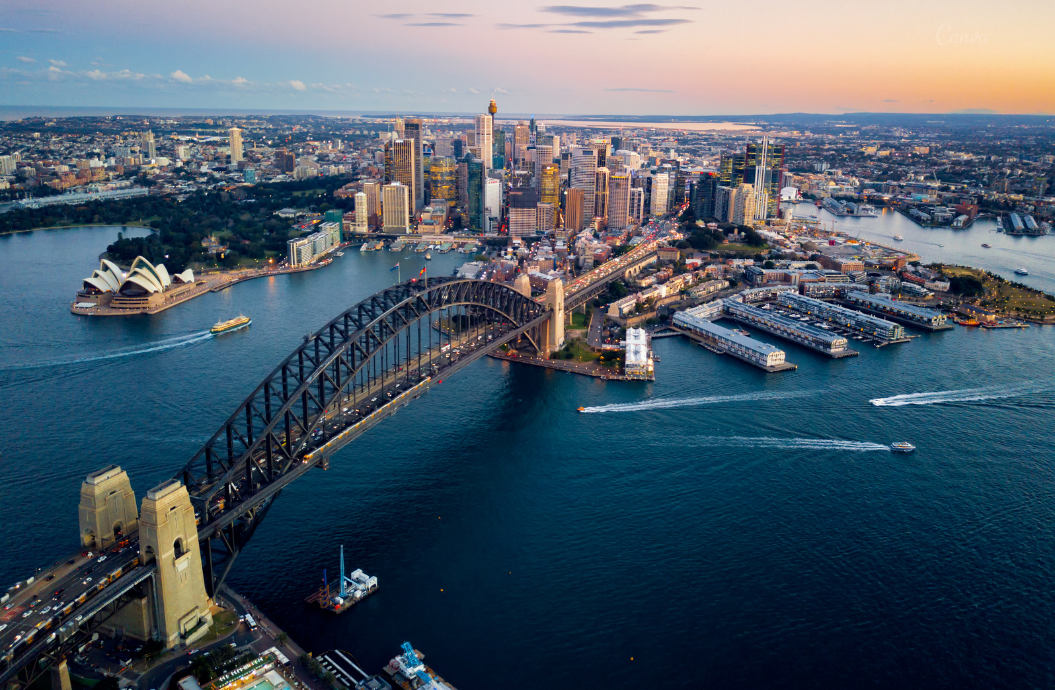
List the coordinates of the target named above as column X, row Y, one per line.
column 361, row 367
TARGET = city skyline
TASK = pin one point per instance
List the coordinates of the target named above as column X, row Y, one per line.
column 642, row 58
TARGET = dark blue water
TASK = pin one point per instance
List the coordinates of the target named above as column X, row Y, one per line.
column 770, row 540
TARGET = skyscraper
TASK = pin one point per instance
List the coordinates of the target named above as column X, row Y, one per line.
column 443, row 176
column 523, row 212
column 549, row 185
column 147, row 144
column 412, row 129
column 400, row 164
column 744, row 205
column 637, row 204
column 724, row 199
column 362, row 216
column 521, row 138
column 600, row 193
column 574, row 201
column 543, row 156
column 484, row 138
column 704, row 192
column 660, row 187
column 492, row 203
column 763, row 167
column 584, row 177
column 396, row 208
column 235, row 136
column 619, row 201
column 477, row 173
column 285, row 161
column 372, row 190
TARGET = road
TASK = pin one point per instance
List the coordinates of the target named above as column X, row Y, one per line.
column 596, row 328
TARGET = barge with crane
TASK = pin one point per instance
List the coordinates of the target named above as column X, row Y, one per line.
column 351, row 589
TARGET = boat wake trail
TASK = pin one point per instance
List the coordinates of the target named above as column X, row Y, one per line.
column 668, row 403
column 791, row 443
column 166, row 344
column 1013, row 390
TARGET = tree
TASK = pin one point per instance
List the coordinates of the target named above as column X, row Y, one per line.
column 768, row 264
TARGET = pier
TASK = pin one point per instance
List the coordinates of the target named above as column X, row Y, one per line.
column 812, row 337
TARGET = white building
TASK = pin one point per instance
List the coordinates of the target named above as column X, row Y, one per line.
column 493, row 200
column 395, row 208
column 484, row 138
column 660, row 192
column 638, row 355
column 362, row 218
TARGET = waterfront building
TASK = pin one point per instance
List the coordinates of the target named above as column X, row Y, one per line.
column 638, row 362
column 854, row 320
column 395, row 208
column 787, row 328
column 235, row 137
column 362, row 215
column 619, row 202
column 584, row 177
column 412, row 129
column 885, row 304
column 741, row 346
column 372, row 190
column 443, row 180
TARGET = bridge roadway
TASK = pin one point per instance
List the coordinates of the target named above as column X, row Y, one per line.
column 79, row 588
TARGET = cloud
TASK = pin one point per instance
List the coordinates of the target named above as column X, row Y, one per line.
column 499, row 89
column 395, row 16
column 181, row 76
column 297, row 84
column 239, row 81
column 53, row 73
column 651, row 31
column 471, row 90
column 95, row 74
column 569, row 31
column 630, row 88
column 451, row 15
column 44, row 31
column 621, row 11
column 630, row 23
column 975, row 111
column 890, row 100
column 57, row 63
column 23, row 58
column 433, row 24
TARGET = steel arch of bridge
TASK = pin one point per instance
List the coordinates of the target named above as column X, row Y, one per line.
column 234, row 478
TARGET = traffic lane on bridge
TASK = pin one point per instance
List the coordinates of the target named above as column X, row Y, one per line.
column 37, row 608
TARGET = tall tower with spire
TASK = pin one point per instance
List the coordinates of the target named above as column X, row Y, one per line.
column 497, row 141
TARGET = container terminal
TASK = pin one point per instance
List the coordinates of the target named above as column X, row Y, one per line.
column 695, row 324
column 902, row 312
column 351, row 590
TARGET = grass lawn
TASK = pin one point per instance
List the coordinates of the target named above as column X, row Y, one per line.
column 739, row 248
column 223, row 623
column 1002, row 295
column 580, row 351
column 580, row 320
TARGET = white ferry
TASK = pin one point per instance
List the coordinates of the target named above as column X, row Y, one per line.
column 1021, row 271
column 902, row 447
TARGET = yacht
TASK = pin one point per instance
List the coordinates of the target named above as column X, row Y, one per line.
column 986, row 246
column 902, row 447
column 941, row 245
column 1021, row 271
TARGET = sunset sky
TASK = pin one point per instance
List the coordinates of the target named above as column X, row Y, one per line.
column 749, row 57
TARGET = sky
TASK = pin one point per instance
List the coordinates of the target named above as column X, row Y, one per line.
column 700, row 58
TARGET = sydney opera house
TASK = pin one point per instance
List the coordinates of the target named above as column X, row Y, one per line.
column 144, row 286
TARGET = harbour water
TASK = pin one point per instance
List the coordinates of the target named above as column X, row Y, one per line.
column 717, row 527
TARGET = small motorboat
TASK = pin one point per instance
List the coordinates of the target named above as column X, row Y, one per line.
column 986, row 246
column 581, row 409
column 902, row 447
column 1021, row 271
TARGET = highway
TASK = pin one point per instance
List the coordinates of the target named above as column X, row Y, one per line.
column 38, row 609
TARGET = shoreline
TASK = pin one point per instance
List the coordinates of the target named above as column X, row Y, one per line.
column 74, row 227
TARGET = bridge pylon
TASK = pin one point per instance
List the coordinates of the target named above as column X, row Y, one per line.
column 107, row 511
column 168, row 536
column 553, row 330
column 60, row 676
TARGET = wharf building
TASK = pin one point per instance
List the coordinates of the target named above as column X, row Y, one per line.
column 812, row 337
column 726, row 341
column 908, row 313
column 854, row 320
column 639, row 364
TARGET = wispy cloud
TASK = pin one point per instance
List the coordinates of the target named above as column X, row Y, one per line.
column 630, row 88
column 433, row 24
column 651, row 31
column 630, row 23
column 397, row 15
column 890, row 100
column 450, row 15
column 569, row 31
column 181, row 76
column 239, row 81
column 57, row 63
column 297, row 84
column 23, row 58
column 621, row 11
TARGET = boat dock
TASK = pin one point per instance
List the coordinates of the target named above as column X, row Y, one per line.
column 718, row 347
column 901, row 312
column 787, row 328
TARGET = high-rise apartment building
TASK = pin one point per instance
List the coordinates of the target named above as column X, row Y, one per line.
column 658, row 200
column 484, row 138
column 723, row 203
column 372, row 190
column 549, row 185
column 574, row 205
column 637, row 204
column 235, row 137
column 584, row 177
column 744, row 205
column 619, row 201
column 146, row 142
column 412, row 129
column 396, row 208
column 763, row 168
column 400, row 164
column 285, row 161
column 703, row 195
column 492, row 203
column 600, row 193
column 362, row 215
column 443, row 179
